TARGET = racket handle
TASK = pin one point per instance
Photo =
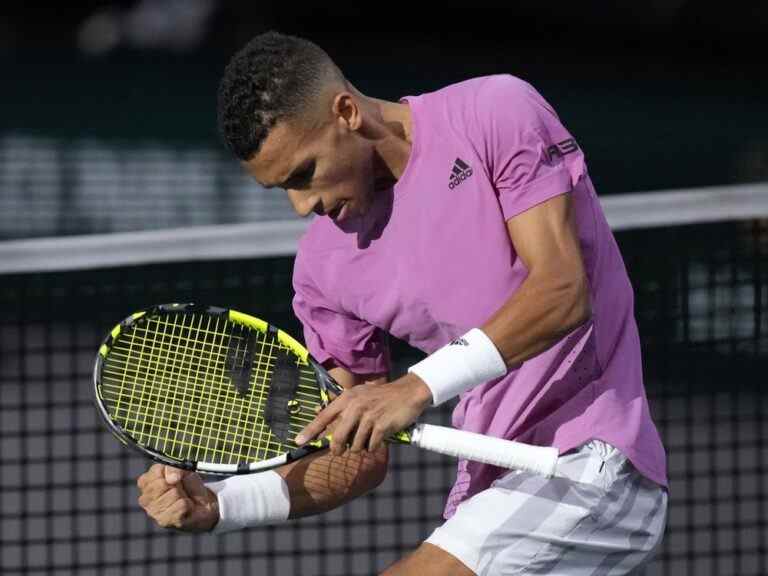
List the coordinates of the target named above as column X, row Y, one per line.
column 486, row 449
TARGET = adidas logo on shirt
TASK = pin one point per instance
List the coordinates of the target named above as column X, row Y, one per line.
column 461, row 171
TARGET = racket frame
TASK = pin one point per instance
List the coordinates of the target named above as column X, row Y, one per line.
column 326, row 384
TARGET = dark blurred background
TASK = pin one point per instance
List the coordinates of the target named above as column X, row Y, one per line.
column 661, row 94
column 108, row 124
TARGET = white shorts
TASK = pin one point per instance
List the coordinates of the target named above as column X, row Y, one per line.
column 601, row 517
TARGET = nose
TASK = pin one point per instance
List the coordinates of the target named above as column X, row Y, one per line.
column 304, row 204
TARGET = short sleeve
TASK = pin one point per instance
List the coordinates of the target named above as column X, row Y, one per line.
column 331, row 334
column 531, row 157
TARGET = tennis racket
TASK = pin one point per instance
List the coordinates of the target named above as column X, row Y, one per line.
column 218, row 391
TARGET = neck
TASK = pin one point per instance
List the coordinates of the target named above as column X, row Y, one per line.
column 391, row 132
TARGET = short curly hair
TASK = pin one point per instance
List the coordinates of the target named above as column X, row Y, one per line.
column 273, row 77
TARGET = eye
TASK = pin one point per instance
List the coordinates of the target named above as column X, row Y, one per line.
column 303, row 177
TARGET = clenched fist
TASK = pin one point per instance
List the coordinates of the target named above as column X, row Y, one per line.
column 178, row 499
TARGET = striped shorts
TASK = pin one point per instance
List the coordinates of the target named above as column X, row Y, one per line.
column 598, row 517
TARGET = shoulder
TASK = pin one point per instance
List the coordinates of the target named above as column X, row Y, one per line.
column 484, row 105
column 481, row 86
column 487, row 91
column 510, row 99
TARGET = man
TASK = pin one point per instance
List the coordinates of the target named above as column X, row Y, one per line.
column 464, row 222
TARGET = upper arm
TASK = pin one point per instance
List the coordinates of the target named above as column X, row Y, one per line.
column 546, row 240
column 534, row 164
column 331, row 333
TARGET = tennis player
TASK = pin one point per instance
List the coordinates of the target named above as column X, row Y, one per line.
column 464, row 222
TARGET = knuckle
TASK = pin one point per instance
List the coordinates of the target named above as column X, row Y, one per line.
column 369, row 420
column 311, row 430
column 360, row 444
column 149, row 489
column 354, row 409
column 184, row 508
column 343, row 432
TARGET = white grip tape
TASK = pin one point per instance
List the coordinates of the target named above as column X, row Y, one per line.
column 486, row 449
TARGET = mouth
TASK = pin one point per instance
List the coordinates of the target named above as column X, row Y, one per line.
column 340, row 212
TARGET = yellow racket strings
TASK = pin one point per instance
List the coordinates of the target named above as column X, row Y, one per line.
column 168, row 385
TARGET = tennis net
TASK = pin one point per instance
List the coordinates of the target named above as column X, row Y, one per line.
column 699, row 264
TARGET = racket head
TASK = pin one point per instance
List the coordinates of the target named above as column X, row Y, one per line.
column 208, row 389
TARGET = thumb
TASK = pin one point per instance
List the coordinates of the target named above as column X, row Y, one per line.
column 173, row 475
column 196, row 489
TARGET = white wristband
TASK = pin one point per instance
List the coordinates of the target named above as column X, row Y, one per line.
column 251, row 500
column 460, row 365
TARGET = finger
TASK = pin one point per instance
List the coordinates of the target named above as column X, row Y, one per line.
column 174, row 475
column 363, row 432
column 167, row 500
column 153, row 472
column 376, row 440
column 149, row 500
column 350, row 419
column 154, row 489
column 175, row 515
column 321, row 421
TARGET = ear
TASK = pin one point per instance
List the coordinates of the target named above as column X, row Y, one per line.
column 347, row 111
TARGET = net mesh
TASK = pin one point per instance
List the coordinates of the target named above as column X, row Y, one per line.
column 68, row 489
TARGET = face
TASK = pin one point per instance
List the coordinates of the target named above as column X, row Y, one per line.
column 323, row 163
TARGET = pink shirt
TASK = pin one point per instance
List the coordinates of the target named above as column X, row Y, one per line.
column 433, row 259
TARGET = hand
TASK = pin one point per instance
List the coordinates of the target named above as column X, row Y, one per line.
column 368, row 414
column 177, row 499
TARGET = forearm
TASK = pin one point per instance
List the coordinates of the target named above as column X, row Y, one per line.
column 322, row 482
column 540, row 312
column 311, row 485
